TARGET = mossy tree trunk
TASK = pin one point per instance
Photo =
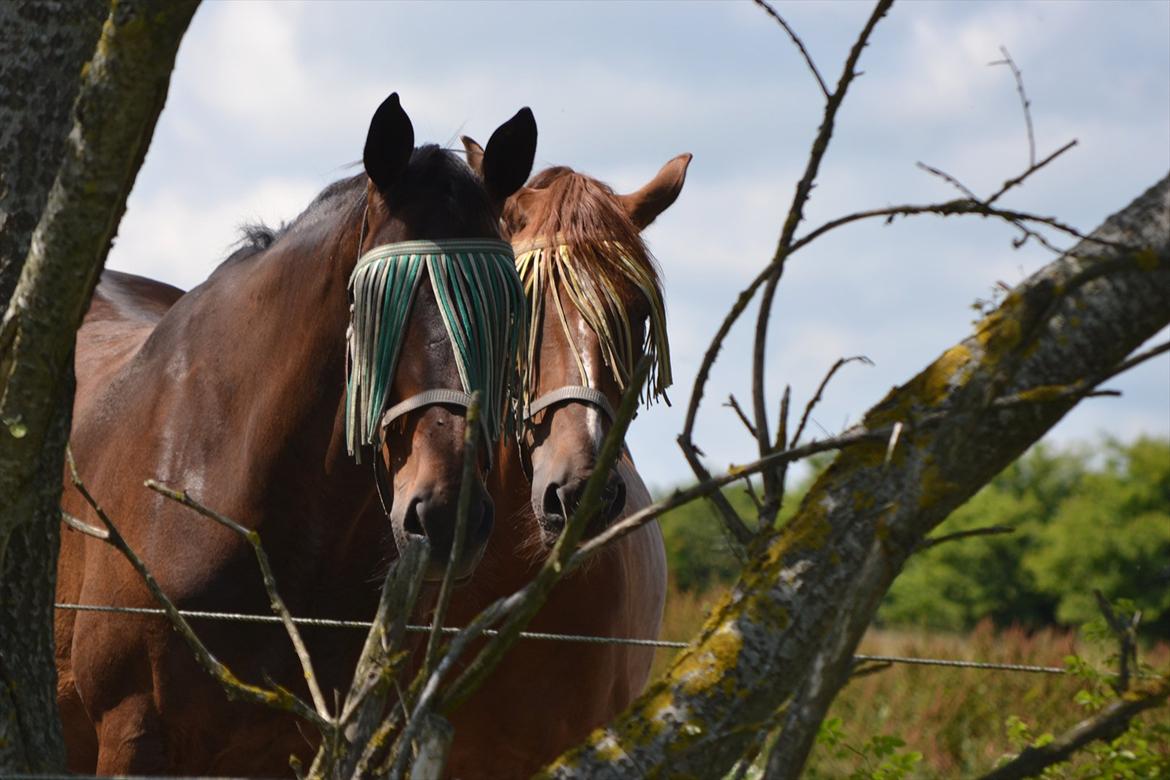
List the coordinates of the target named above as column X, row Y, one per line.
column 77, row 112
column 779, row 647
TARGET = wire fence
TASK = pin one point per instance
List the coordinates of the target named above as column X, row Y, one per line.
column 236, row 617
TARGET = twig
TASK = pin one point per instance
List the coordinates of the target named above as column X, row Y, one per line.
column 1126, row 635
column 949, row 179
column 821, row 392
column 990, row 530
column 784, row 246
column 768, row 9
column 470, row 457
column 892, row 444
column 1024, row 102
column 679, row 497
column 278, row 698
column 781, row 443
column 750, row 489
column 743, row 418
column 865, row 669
column 276, row 602
column 376, row 670
column 950, row 209
column 533, row 595
column 1110, row 721
column 1010, row 183
column 734, row 524
column 1083, row 388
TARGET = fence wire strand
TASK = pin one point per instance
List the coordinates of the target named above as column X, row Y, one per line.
column 235, row 617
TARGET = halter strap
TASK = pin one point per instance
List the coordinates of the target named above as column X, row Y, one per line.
column 588, row 395
column 444, row 397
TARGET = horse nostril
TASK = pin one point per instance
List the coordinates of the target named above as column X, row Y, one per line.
column 478, row 534
column 411, row 522
column 617, row 501
column 552, row 505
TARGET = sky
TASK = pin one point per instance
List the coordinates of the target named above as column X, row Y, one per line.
column 269, row 102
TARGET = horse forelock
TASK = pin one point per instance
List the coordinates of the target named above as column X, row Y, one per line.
column 610, row 265
column 439, row 196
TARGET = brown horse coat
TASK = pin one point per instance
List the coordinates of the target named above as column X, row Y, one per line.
column 234, row 391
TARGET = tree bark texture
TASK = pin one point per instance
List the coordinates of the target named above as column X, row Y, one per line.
column 43, row 46
column 119, row 92
column 794, row 619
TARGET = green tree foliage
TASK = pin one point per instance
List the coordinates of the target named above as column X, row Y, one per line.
column 1084, row 520
column 698, row 552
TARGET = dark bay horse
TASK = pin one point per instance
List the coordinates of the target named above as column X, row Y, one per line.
column 237, row 392
column 594, row 316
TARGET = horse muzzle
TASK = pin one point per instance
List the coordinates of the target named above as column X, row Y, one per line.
column 433, row 518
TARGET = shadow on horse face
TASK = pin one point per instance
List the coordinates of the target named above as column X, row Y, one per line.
column 596, row 302
column 426, row 194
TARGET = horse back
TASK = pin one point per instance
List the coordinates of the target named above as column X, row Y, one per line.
column 124, row 310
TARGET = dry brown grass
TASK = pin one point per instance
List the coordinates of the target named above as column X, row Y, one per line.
column 954, row 717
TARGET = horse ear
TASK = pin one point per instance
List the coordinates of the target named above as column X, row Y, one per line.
column 507, row 161
column 646, row 204
column 389, row 143
column 474, row 154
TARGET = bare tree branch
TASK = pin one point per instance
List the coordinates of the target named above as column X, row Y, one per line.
column 768, row 9
column 1024, row 102
column 533, row 595
column 277, row 698
column 804, row 600
column 743, row 418
column 784, row 246
column 274, row 599
column 990, row 530
column 1018, row 180
column 820, row 393
column 1111, row 721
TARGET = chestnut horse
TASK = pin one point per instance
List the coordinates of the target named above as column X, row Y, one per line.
column 546, row 696
column 236, row 392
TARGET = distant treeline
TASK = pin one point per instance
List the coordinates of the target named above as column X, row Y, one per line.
column 1085, row 518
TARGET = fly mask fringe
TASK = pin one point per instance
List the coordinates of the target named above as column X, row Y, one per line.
column 480, row 300
column 593, row 287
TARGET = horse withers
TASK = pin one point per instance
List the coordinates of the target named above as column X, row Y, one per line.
column 237, row 392
column 597, row 308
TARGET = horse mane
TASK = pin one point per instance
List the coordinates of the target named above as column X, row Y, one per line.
column 582, row 213
column 430, row 167
column 585, row 219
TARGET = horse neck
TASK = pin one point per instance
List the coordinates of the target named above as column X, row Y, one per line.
column 266, row 334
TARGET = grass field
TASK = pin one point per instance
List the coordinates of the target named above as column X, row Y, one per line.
column 955, row 717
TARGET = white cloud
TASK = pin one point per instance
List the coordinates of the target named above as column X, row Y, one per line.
column 179, row 239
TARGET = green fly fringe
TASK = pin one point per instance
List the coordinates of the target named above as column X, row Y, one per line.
column 482, row 304
column 592, row 283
